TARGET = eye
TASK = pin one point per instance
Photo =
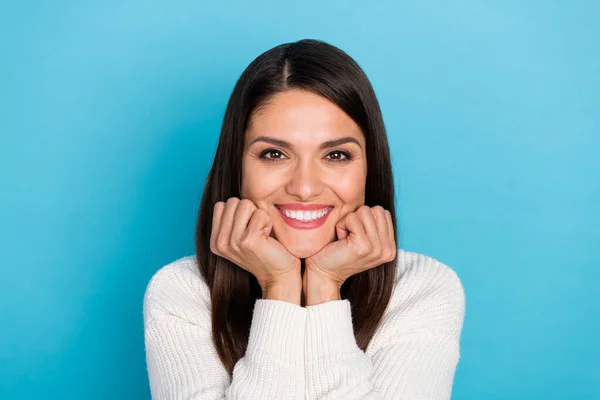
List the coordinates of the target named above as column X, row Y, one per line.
column 339, row 154
column 274, row 155
column 273, row 152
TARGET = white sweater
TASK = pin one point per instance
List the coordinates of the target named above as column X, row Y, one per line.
column 309, row 352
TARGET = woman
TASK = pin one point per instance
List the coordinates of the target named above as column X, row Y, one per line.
column 297, row 289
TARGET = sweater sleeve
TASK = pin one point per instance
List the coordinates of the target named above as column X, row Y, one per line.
column 415, row 354
column 181, row 359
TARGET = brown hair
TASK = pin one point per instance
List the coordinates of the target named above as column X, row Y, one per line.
column 328, row 71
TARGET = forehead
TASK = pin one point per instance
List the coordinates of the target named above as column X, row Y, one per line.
column 300, row 114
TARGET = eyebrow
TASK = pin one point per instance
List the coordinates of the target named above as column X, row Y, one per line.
column 325, row 145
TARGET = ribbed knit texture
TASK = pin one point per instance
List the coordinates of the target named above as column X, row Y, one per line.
column 307, row 352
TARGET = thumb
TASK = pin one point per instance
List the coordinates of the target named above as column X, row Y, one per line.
column 260, row 222
column 268, row 230
column 341, row 229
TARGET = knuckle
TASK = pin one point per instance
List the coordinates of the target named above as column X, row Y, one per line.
column 260, row 213
column 353, row 216
column 245, row 243
column 246, row 203
column 222, row 246
column 362, row 250
column 219, row 206
column 364, row 209
column 234, row 248
column 390, row 254
column 378, row 209
column 232, row 201
column 377, row 252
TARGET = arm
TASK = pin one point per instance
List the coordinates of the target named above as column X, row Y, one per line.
column 414, row 355
column 183, row 363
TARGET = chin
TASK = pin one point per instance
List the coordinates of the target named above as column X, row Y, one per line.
column 302, row 253
column 301, row 250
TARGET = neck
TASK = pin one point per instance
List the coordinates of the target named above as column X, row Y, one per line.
column 302, row 297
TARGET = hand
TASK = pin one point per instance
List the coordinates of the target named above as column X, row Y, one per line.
column 241, row 234
column 366, row 240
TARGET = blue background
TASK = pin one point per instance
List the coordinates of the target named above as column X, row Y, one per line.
column 109, row 117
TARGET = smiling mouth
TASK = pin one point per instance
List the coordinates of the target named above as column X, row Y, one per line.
column 305, row 216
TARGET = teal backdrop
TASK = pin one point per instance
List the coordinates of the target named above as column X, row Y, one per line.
column 110, row 114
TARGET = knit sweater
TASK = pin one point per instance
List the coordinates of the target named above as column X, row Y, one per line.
column 308, row 352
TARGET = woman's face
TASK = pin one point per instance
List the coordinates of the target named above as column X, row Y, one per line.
column 288, row 163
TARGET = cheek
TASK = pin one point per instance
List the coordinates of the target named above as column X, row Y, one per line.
column 257, row 185
column 350, row 188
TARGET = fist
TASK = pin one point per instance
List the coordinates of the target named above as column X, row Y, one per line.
column 241, row 233
column 365, row 240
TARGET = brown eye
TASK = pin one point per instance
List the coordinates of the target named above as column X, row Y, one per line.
column 275, row 155
column 340, row 156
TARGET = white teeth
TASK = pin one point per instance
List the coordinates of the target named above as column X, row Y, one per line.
column 305, row 216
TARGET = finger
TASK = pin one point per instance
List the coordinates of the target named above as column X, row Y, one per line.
column 390, row 222
column 341, row 230
column 341, row 227
column 382, row 227
column 365, row 214
column 243, row 213
column 260, row 221
column 216, row 224
column 227, row 223
column 357, row 235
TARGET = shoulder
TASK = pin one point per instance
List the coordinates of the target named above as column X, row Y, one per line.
column 423, row 277
column 428, row 298
column 177, row 290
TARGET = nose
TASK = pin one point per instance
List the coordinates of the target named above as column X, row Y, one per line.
column 305, row 180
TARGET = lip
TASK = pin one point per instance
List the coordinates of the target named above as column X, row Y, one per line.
column 302, row 207
column 294, row 223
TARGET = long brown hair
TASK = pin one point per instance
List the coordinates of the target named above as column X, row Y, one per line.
column 328, row 71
